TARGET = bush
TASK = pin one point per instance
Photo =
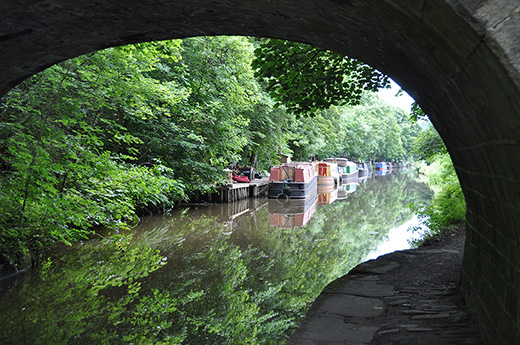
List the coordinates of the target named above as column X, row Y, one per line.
column 107, row 194
column 448, row 206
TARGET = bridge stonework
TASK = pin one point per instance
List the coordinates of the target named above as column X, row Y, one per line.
column 460, row 59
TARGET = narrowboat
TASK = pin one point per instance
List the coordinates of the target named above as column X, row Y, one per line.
column 349, row 172
column 346, row 169
column 381, row 166
column 363, row 169
column 341, row 162
column 328, row 174
column 294, row 180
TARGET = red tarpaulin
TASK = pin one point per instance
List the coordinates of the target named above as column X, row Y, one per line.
column 240, row 178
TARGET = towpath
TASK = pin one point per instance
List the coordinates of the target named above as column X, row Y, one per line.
column 409, row 297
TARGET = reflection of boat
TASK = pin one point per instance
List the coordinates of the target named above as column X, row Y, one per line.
column 346, row 189
column 300, row 205
column 326, row 188
column 364, row 178
column 328, row 197
column 291, row 213
column 327, row 174
column 292, row 180
column 363, row 169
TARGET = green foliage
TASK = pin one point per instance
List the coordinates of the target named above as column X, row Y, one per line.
column 306, row 79
column 90, row 277
column 268, row 132
column 428, row 144
column 372, row 130
column 416, row 112
column 217, row 73
column 448, row 206
column 59, row 178
column 94, row 141
column 214, row 282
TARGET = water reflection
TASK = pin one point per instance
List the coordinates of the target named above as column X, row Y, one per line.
column 398, row 238
column 345, row 189
column 291, row 213
column 221, row 274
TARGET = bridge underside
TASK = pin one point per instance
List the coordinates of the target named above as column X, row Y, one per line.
column 460, row 59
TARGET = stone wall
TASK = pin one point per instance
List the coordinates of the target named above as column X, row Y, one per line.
column 460, row 59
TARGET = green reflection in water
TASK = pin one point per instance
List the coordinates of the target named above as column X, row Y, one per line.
column 78, row 294
column 219, row 279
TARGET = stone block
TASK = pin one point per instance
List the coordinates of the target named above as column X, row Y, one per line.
column 348, row 306
column 332, row 330
column 460, row 59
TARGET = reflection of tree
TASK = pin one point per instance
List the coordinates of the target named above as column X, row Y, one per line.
column 81, row 295
column 248, row 286
column 338, row 237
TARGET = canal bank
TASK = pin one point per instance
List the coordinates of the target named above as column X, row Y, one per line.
column 407, row 297
column 248, row 269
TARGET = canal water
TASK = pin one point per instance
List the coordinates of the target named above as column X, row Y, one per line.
column 242, row 273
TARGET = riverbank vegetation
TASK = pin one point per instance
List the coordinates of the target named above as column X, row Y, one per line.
column 96, row 140
column 213, row 283
column 448, row 206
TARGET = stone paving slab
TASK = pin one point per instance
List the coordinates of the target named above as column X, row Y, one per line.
column 348, row 305
column 366, row 288
column 404, row 298
column 332, row 329
column 380, row 266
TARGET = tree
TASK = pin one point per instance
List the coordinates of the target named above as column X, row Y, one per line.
column 306, row 79
column 428, row 145
column 267, row 133
column 208, row 130
column 372, row 130
column 58, row 179
column 448, row 206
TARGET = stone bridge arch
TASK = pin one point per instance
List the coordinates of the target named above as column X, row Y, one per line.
column 460, row 59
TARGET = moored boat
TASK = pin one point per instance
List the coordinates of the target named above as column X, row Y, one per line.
column 328, row 174
column 363, row 169
column 349, row 172
column 381, row 166
column 294, row 180
column 341, row 162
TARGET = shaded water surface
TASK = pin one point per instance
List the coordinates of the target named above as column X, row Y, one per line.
column 242, row 273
